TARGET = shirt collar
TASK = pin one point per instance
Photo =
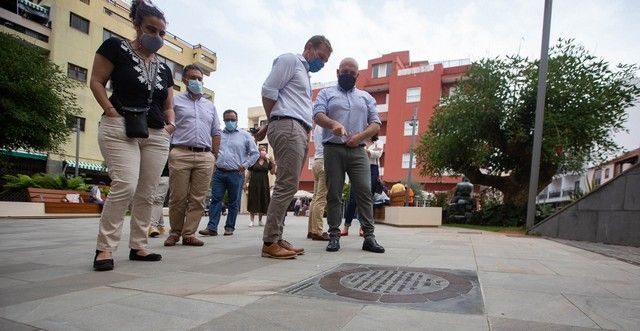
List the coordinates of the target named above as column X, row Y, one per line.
column 343, row 90
column 304, row 61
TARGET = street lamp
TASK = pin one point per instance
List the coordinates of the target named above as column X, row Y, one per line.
column 414, row 122
column 77, row 130
column 539, row 121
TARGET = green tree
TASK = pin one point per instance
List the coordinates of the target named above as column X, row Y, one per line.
column 36, row 98
column 485, row 130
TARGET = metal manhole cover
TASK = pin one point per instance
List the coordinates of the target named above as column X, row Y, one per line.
column 421, row 288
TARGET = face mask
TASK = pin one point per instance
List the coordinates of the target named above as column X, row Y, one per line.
column 195, row 86
column 316, row 64
column 263, row 154
column 346, row 81
column 230, row 125
column 152, row 43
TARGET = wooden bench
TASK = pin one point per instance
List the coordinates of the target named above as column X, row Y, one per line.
column 55, row 201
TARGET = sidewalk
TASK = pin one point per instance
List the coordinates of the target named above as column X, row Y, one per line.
column 513, row 283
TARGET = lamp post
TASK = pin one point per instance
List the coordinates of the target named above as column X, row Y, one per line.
column 539, row 121
column 414, row 121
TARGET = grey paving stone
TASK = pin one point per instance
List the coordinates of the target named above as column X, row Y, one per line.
column 189, row 309
column 8, row 282
column 21, row 267
column 590, row 270
column 40, row 309
column 286, row 313
column 236, row 265
column 618, row 314
column 111, row 317
column 6, row 324
column 48, row 273
column 512, row 266
column 383, row 318
column 506, row 324
column 64, row 285
column 179, row 283
column 534, row 306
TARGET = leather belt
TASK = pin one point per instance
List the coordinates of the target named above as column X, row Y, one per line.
column 329, row 143
column 227, row 170
column 277, row 118
column 193, row 149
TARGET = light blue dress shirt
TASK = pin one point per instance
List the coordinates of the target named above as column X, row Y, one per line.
column 317, row 142
column 196, row 121
column 288, row 84
column 237, row 148
column 354, row 109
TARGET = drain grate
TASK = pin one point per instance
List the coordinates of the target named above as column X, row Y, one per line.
column 420, row 288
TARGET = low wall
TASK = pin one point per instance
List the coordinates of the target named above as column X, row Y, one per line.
column 412, row 216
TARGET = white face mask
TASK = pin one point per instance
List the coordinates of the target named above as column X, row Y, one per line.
column 194, row 86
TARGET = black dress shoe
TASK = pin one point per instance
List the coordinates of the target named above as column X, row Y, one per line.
column 372, row 245
column 102, row 265
column 133, row 256
column 334, row 244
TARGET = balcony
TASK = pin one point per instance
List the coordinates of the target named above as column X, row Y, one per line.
column 204, row 58
column 416, row 70
column 33, row 31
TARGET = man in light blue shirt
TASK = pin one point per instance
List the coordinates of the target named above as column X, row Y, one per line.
column 191, row 158
column 238, row 151
column 349, row 118
column 286, row 97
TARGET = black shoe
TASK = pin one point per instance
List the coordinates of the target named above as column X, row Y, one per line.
column 334, row 244
column 372, row 245
column 102, row 265
column 133, row 256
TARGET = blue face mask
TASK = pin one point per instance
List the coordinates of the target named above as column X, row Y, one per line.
column 316, row 64
column 230, row 125
column 194, row 86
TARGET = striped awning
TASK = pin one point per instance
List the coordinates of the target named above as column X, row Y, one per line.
column 24, row 154
column 33, row 7
column 86, row 165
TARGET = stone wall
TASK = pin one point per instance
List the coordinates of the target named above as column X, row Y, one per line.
column 610, row 214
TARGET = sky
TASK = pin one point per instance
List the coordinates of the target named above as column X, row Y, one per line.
column 248, row 34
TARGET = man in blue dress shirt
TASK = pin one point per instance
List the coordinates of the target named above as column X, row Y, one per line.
column 238, row 151
column 350, row 118
column 191, row 158
column 286, row 97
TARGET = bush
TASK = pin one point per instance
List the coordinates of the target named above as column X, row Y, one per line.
column 500, row 215
column 40, row 180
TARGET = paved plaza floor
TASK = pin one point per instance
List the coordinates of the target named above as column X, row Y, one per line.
column 429, row 279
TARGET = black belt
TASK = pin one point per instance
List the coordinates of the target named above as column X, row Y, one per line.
column 193, row 149
column 277, row 118
column 341, row 144
column 227, row 170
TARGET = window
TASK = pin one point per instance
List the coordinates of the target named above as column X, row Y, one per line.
column 73, row 121
column 106, row 34
column 79, row 23
column 452, row 90
column 76, row 72
column 405, row 161
column 413, row 94
column 310, row 165
column 176, row 68
column 381, row 70
column 597, row 177
column 408, row 128
column 86, row 2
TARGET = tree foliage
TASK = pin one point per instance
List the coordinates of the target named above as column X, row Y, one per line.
column 36, row 98
column 485, row 130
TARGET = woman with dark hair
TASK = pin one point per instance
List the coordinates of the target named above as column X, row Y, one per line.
column 257, row 183
column 134, row 131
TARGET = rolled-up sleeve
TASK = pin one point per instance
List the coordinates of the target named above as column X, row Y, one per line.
column 215, row 124
column 320, row 106
column 282, row 71
column 372, row 112
column 252, row 152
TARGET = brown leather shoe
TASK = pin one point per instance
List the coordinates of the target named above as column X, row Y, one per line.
column 228, row 232
column 345, row 231
column 192, row 241
column 309, row 234
column 320, row 237
column 171, row 240
column 208, row 232
column 286, row 245
column 275, row 251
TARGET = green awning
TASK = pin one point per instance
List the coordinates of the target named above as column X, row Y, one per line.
column 24, row 154
column 33, row 7
column 86, row 165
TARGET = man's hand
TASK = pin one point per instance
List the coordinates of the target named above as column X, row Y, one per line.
column 338, row 129
column 261, row 133
column 354, row 141
column 242, row 169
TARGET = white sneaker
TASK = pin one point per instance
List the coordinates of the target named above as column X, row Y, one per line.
column 260, row 223
column 250, row 224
